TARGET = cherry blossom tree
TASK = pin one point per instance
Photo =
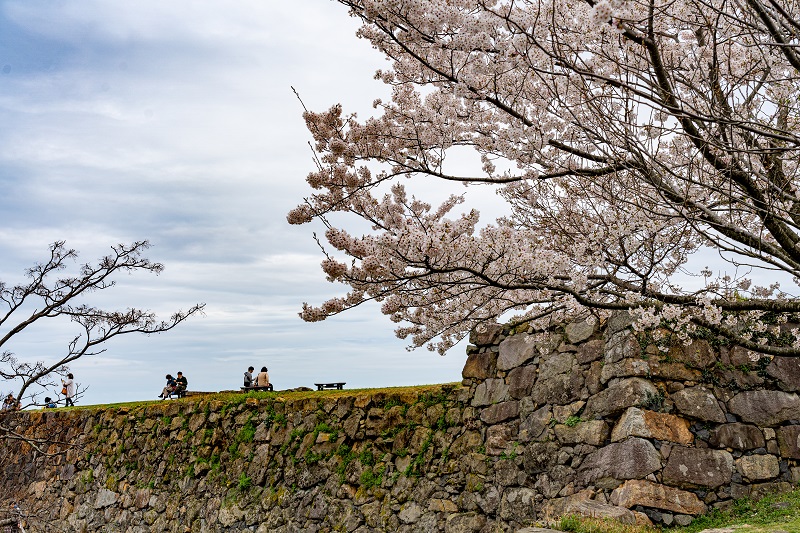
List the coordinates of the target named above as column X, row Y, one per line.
column 625, row 136
column 50, row 294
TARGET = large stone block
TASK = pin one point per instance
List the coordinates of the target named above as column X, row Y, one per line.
column 518, row 504
column 758, row 467
column 534, row 425
column 699, row 402
column 553, row 364
column 765, row 408
column 737, row 368
column 698, row 467
column 648, row 494
column 559, row 390
column 618, row 321
column 580, row 330
column 789, row 441
column 735, row 356
column 464, row 523
column 520, row 381
column 580, row 504
column 480, row 366
column 590, row 351
column 787, row 371
column 105, row 498
column 593, row 432
column 410, row 512
column 621, row 346
column 591, row 378
column 485, row 334
column 636, row 422
column 379, row 419
column 468, row 441
column 500, row 412
column 738, row 436
column 632, row 459
column 698, row 354
column 539, row 457
column 499, row 437
column 615, row 399
column 651, row 368
column 625, row 368
column 490, row 392
column 517, row 350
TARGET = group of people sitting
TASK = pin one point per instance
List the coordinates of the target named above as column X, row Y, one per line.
column 261, row 380
column 67, row 390
column 10, row 403
column 175, row 386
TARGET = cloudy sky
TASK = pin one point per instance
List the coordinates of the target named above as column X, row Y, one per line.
column 176, row 122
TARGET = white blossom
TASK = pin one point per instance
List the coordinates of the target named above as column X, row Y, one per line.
column 620, row 153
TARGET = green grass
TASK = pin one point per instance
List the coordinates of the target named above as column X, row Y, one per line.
column 431, row 392
column 772, row 514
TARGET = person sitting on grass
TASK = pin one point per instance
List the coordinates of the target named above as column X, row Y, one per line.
column 9, row 404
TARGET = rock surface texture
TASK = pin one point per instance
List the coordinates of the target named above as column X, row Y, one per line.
column 589, row 418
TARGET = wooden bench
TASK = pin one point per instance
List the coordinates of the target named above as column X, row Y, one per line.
column 177, row 393
column 256, row 388
column 338, row 385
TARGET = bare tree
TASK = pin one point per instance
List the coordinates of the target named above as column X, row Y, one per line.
column 626, row 137
column 50, row 293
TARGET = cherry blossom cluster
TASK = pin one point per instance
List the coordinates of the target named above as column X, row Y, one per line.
column 626, row 138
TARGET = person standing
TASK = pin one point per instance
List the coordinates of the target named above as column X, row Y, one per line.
column 248, row 377
column 69, row 389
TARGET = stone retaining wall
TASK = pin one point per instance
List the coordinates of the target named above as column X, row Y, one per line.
column 588, row 419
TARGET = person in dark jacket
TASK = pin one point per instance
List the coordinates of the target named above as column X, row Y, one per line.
column 181, row 383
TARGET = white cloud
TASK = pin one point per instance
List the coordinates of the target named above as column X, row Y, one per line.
column 176, row 122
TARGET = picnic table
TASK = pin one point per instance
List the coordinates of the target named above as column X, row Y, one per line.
column 338, row 385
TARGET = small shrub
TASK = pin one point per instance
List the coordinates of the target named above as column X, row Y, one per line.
column 313, row 458
column 570, row 523
column 244, row 482
column 247, row 433
column 367, row 458
column 368, row 479
column 653, row 402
